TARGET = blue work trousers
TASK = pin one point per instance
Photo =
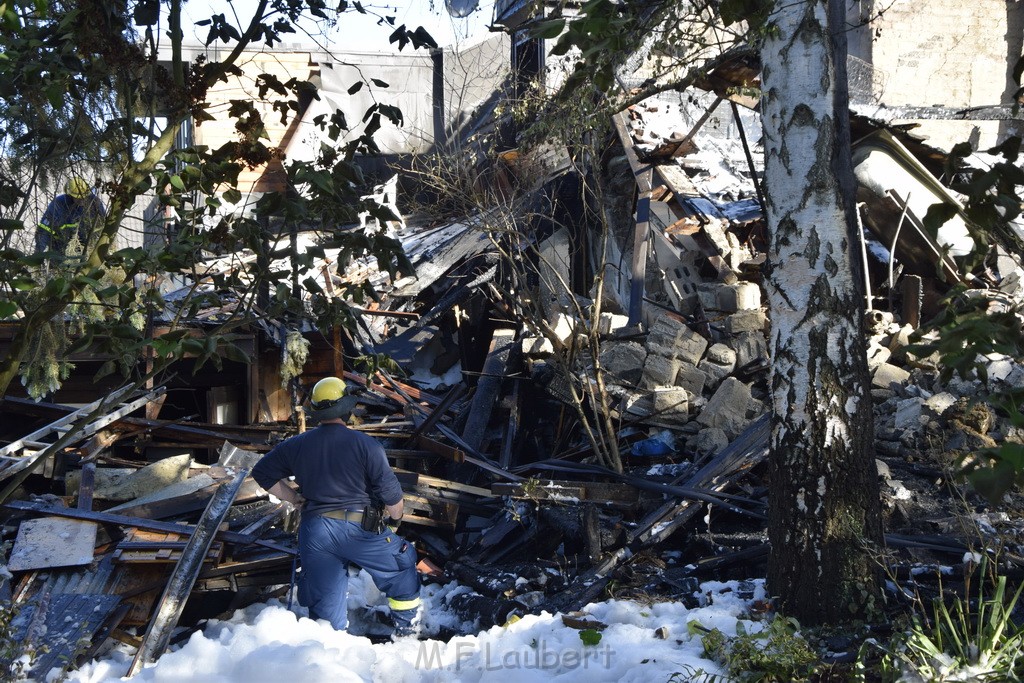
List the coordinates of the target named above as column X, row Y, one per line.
column 327, row 546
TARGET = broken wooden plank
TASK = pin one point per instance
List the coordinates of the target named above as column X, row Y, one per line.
column 512, row 428
column 48, row 542
column 141, row 523
column 488, row 387
column 141, row 546
column 644, row 175
column 619, row 495
column 453, row 395
column 85, row 486
column 184, row 576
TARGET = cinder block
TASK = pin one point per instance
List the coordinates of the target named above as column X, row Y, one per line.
column 749, row 346
column 673, row 339
column 670, row 400
column 741, row 296
column 623, row 360
column 658, row 371
column 750, row 320
column 731, row 408
column 691, row 378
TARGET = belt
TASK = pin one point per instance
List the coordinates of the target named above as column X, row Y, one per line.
column 347, row 515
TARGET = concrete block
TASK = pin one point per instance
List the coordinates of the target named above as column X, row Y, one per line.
column 750, row 320
column 877, row 355
column 899, row 340
column 749, row 346
column 908, row 414
column 707, row 295
column 731, row 408
column 938, row 404
column 565, row 326
column 670, row 338
column 718, row 364
column 720, row 354
column 610, row 322
column 886, row 373
column 537, row 346
column 623, row 360
column 1015, row 379
column 670, row 400
column 999, row 366
column 690, row 378
column 708, row 441
column 741, row 296
column 658, row 371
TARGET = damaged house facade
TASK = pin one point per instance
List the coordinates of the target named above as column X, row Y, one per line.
column 546, row 432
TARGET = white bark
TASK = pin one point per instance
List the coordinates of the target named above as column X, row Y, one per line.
column 821, row 435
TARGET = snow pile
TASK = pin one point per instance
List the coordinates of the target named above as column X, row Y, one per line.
column 267, row 643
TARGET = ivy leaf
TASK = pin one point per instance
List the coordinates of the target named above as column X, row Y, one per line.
column 7, row 309
column 590, row 636
column 549, row 30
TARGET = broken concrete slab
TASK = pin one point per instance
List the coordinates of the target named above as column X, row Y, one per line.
column 708, row 441
column 690, row 378
column 887, row 374
column 938, row 404
column 749, row 347
column 909, row 412
column 877, row 355
column 732, row 408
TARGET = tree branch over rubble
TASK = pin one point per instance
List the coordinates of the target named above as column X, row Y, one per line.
column 82, row 89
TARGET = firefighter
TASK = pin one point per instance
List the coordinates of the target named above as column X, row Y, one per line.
column 77, row 212
column 351, row 504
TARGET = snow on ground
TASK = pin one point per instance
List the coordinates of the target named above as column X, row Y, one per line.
column 267, row 643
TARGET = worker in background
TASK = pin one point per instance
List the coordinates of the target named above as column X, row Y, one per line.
column 71, row 216
column 351, row 505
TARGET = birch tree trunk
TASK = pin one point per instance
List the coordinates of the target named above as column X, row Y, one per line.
column 824, row 509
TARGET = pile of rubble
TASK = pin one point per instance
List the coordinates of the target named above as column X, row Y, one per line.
column 105, row 537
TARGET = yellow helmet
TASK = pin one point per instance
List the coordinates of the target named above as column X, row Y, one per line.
column 326, row 399
column 77, row 187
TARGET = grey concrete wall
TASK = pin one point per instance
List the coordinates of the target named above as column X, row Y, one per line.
column 410, row 80
column 948, row 52
column 473, row 76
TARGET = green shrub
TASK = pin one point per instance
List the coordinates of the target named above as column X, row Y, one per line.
column 778, row 653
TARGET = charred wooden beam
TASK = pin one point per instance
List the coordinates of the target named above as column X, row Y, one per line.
column 141, row 523
column 721, row 472
column 184, row 576
column 488, row 387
